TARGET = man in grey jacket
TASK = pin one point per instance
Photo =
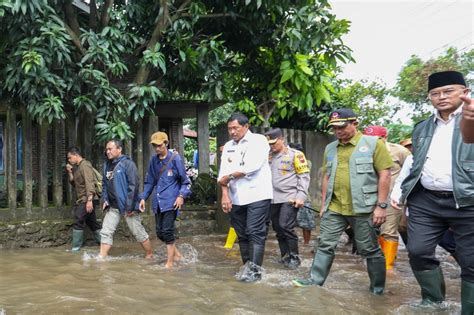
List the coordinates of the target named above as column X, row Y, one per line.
column 290, row 179
column 439, row 191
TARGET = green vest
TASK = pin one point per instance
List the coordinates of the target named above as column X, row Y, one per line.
column 462, row 162
column 363, row 177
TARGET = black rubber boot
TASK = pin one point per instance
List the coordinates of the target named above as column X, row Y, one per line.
column 77, row 240
column 253, row 272
column 377, row 273
column 285, row 255
column 467, row 298
column 319, row 270
column 244, row 251
column 295, row 260
column 432, row 285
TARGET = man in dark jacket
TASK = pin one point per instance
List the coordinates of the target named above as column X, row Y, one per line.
column 439, row 191
column 167, row 174
column 120, row 198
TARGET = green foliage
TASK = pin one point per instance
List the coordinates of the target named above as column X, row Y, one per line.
column 204, row 189
column 367, row 99
column 271, row 59
column 412, row 80
column 398, row 132
column 293, row 66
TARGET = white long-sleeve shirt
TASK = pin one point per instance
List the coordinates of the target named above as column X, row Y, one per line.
column 248, row 156
column 404, row 172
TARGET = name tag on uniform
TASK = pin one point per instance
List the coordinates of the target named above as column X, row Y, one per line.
column 170, row 172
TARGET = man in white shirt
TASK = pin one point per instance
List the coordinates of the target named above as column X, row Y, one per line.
column 439, row 191
column 246, row 183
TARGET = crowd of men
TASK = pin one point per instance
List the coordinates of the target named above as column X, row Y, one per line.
column 422, row 190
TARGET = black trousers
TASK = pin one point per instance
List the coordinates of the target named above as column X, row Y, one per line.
column 249, row 222
column 430, row 217
column 283, row 216
column 82, row 218
column 164, row 224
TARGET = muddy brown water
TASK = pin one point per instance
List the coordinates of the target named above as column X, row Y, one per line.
column 56, row 281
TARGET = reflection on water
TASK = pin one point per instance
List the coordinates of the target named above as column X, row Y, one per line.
column 56, row 281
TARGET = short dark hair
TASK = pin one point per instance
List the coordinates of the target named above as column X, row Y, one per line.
column 241, row 118
column 74, row 151
column 118, row 143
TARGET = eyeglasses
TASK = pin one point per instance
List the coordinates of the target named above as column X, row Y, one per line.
column 447, row 93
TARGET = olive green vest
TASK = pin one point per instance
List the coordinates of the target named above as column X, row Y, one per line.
column 363, row 177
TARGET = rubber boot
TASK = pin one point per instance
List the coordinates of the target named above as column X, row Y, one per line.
column 390, row 250
column 231, row 238
column 77, row 240
column 96, row 236
column 432, row 285
column 377, row 272
column 244, row 251
column 285, row 253
column 295, row 260
column 467, row 298
column 254, row 271
column 319, row 270
column 382, row 243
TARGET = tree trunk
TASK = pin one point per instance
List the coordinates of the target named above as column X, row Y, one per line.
column 11, row 158
column 58, row 162
column 43, row 166
column 139, row 151
column 27, row 160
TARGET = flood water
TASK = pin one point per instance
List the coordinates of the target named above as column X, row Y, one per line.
column 56, row 281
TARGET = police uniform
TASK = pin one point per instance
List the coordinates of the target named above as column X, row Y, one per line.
column 290, row 179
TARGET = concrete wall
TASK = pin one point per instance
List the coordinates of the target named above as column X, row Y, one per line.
column 53, row 226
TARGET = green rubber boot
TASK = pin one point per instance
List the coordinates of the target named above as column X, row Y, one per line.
column 319, row 270
column 467, row 298
column 77, row 240
column 432, row 285
column 97, row 236
column 377, row 273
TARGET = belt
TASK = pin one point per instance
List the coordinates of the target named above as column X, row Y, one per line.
column 440, row 193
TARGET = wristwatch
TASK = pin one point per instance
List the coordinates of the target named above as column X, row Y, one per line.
column 383, row 205
column 231, row 177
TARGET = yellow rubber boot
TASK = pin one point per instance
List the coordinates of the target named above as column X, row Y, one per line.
column 382, row 243
column 390, row 251
column 231, row 238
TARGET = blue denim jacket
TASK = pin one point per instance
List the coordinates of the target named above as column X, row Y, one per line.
column 173, row 182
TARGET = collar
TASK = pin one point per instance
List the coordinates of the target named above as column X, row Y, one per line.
column 437, row 116
column 245, row 138
column 353, row 140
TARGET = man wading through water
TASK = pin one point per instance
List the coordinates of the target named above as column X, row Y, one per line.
column 166, row 174
column 246, row 184
column 355, row 185
column 81, row 176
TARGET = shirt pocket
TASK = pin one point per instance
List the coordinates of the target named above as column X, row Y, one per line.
column 370, row 194
column 364, row 165
column 468, row 168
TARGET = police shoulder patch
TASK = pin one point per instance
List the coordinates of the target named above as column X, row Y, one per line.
column 300, row 162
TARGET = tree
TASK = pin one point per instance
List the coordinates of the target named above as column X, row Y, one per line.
column 290, row 71
column 115, row 63
column 367, row 99
column 412, row 80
